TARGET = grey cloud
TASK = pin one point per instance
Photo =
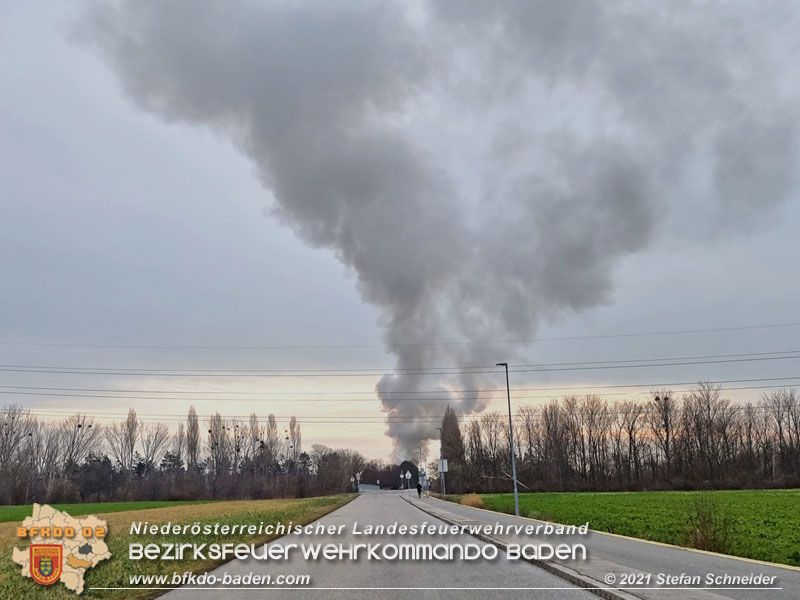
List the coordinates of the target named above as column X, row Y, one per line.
column 756, row 163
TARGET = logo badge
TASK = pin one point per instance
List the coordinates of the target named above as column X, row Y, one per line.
column 46, row 562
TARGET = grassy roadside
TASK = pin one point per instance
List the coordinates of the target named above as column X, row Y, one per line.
column 759, row 524
column 19, row 512
column 115, row 572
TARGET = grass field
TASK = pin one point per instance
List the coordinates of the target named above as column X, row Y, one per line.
column 115, row 572
column 19, row 512
column 762, row 524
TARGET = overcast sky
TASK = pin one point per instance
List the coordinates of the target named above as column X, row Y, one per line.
column 186, row 175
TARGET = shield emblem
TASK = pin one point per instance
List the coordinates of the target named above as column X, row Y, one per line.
column 45, row 566
column 46, row 562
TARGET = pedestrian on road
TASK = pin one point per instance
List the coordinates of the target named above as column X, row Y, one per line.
column 419, row 489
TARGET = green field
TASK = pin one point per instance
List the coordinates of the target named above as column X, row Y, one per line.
column 762, row 524
column 115, row 572
column 19, row 512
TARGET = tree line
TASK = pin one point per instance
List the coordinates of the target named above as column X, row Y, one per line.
column 698, row 440
column 79, row 459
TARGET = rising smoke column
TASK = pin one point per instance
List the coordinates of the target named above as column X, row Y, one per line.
column 480, row 166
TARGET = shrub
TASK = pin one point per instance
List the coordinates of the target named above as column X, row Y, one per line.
column 63, row 491
column 710, row 525
column 473, row 500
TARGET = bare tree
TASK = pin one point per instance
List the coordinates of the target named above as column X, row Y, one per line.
column 632, row 412
column 271, row 441
column 15, row 429
column 192, row 440
column 493, row 433
column 155, row 437
column 661, row 418
column 45, row 451
column 179, row 444
column 295, row 439
column 254, row 444
column 219, row 449
column 80, row 435
column 122, row 438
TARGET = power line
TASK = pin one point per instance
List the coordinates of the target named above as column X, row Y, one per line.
column 411, row 344
column 269, row 371
column 447, row 392
column 447, row 399
column 177, row 373
column 415, row 371
column 670, row 364
column 660, row 358
column 262, row 400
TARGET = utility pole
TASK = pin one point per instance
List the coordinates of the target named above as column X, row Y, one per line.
column 511, row 440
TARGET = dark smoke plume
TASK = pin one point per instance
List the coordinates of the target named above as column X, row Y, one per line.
column 481, row 166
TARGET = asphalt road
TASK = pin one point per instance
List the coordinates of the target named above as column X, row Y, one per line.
column 438, row 578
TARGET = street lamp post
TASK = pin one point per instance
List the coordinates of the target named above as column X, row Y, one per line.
column 441, row 456
column 511, row 440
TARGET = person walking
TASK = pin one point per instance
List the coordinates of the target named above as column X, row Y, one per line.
column 419, row 489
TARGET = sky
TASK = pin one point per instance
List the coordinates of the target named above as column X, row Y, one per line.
column 390, row 177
